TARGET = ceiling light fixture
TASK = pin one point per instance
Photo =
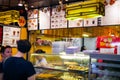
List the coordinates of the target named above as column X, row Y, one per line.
column 60, row 2
column 20, row 3
column 86, row 34
column 32, row 6
column 26, row 6
column 23, row 3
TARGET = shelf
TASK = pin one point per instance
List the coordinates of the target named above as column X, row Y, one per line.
column 111, row 57
column 107, row 65
column 106, row 72
column 64, row 70
column 110, row 65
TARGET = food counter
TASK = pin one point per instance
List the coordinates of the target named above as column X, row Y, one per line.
column 62, row 67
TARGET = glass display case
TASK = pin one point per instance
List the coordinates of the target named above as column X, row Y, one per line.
column 61, row 66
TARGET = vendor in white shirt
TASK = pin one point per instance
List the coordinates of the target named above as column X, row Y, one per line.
column 40, row 60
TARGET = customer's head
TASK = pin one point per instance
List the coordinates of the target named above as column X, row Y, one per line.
column 83, row 48
column 23, row 46
column 6, row 51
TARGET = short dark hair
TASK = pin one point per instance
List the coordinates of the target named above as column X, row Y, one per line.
column 23, row 46
column 82, row 48
column 3, row 48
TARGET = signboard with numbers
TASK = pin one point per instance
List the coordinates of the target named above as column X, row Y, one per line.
column 33, row 19
column 58, row 19
column 10, row 36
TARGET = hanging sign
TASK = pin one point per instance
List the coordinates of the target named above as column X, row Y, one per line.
column 8, row 17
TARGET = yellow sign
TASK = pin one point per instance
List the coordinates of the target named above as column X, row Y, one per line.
column 87, row 9
column 8, row 17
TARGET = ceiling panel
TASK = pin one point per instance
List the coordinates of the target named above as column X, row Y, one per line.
column 7, row 4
